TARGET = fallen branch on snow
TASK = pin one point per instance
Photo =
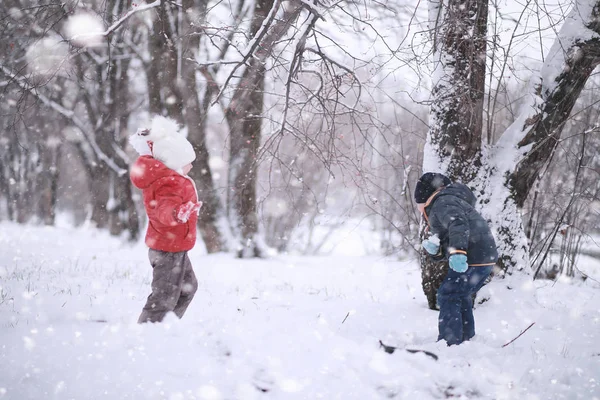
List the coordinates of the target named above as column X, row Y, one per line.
column 520, row 334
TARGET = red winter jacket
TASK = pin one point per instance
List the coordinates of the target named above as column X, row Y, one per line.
column 164, row 191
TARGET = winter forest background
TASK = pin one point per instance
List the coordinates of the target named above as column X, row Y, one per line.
column 310, row 117
column 311, row 120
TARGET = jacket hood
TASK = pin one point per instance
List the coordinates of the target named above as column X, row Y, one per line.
column 147, row 170
column 165, row 141
column 174, row 151
column 459, row 190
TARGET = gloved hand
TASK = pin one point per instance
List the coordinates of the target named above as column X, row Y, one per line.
column 185, row 210
column 458, row 262
column 431, row 245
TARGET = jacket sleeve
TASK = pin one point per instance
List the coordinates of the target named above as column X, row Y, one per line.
column 453, row 219
column 166, row 202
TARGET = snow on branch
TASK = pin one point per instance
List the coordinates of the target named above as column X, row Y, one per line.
column 312, row 6
column 66, row 113
column 527, row 145
column 559, row 71
column 254, row 43
column 135, row 9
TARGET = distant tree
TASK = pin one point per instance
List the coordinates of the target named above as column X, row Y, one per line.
column 244, row 117
column 561, row 215
column 30, row 145
column 85, row 88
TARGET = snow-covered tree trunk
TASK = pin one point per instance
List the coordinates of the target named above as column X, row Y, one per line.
column 456, row 119
column 512, row 166
column 453, row 144
column 507, row 170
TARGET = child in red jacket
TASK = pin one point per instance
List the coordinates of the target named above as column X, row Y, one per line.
column 171, row 202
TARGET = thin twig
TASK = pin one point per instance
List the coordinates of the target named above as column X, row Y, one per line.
column 526, row 329
column 346, row 317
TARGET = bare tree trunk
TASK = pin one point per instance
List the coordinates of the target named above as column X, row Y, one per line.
column 153, row 74
column 122, row 212
column 48, row 178
column 99, row 194
column 164, row 65
column 195, row 119
column 245, row 126
column 243, row 116
column 244, row 119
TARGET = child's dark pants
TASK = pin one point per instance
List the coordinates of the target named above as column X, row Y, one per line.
column 173, row 285
column 456, row 323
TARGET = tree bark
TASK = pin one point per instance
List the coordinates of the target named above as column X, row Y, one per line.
column 244, row 119
column 195, row 119
column 48, row 178
column 454, row 142
column 164, row 83
column 456, row 121
column 244, row 116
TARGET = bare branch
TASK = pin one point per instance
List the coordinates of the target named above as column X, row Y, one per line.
column 256, row 41
column 120, row 21
column 66, row 113
column 520, row 334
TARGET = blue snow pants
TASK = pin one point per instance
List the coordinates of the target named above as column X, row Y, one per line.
column 456, row 323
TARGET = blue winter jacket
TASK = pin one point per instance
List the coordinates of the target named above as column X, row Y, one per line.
column 450, row 214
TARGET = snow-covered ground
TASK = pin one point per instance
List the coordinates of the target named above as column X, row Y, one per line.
column 281, row 328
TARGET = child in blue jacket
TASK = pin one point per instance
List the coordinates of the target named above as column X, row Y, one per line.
column 461, row 235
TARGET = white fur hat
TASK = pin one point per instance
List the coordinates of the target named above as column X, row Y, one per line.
column 168, row 144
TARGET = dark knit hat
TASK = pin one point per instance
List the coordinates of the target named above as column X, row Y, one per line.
column 428, row 183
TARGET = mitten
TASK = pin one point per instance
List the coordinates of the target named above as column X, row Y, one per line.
column 458, row 262
column 185, row 210
column 431, row 245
